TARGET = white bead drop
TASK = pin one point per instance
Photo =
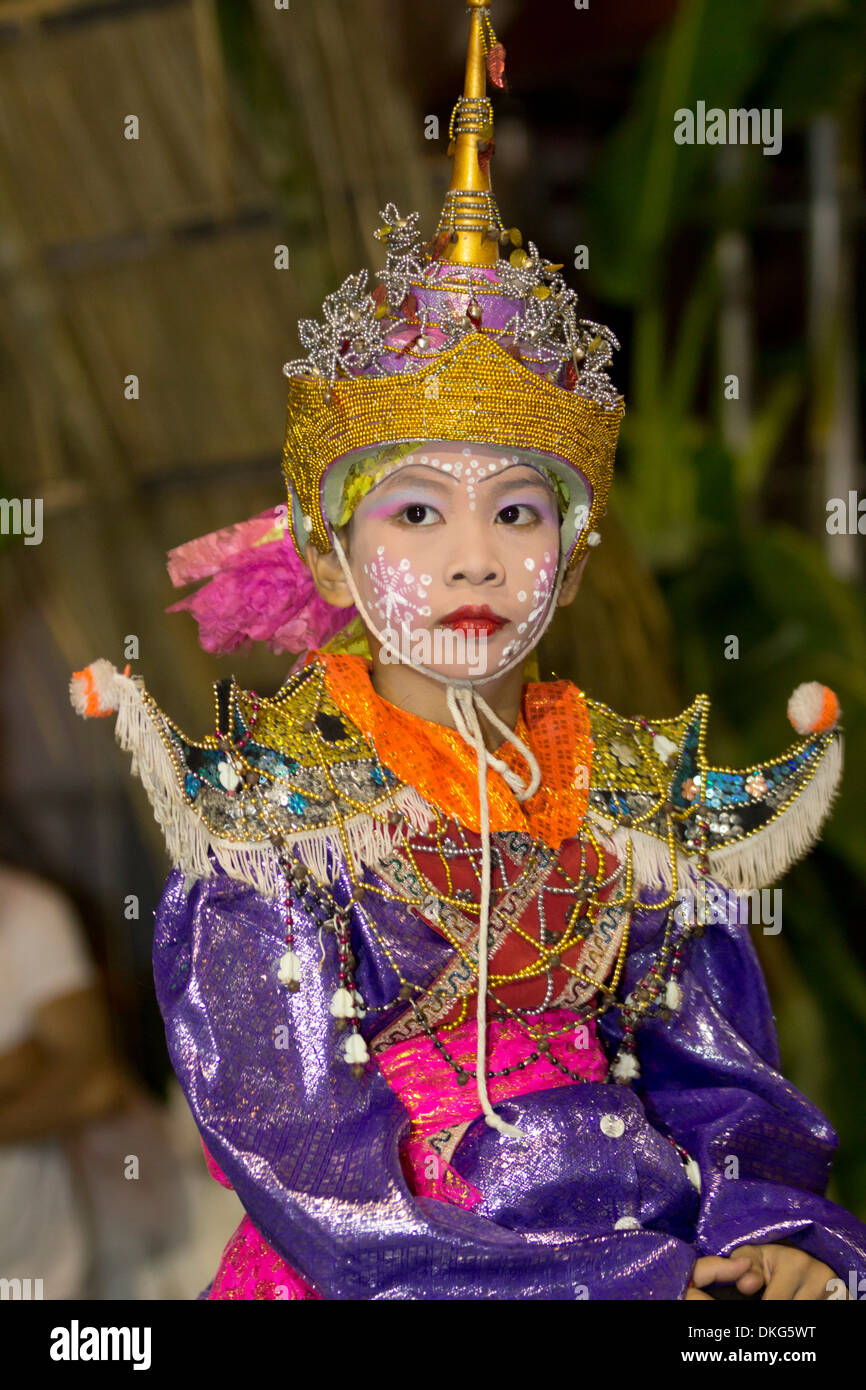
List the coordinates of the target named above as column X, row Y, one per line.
column 290, row 969
column 626, row 1067
column 355, row 1049
column 342, row 1004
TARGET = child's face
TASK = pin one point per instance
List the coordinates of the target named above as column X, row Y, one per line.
column 455, row 556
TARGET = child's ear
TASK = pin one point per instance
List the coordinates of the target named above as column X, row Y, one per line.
column 571, row 583
column 328, row 576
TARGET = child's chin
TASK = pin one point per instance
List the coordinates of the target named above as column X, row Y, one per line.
column 467, row 671
column 450, row 655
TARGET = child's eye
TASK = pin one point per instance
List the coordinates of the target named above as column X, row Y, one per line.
column 517, row 514
column 418, row 514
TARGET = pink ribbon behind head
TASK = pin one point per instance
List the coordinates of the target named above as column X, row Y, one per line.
column 258, row 591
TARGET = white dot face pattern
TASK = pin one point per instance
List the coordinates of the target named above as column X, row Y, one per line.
column 542, row 593
column 395, row 591
column 468, row 469
column 400, row 595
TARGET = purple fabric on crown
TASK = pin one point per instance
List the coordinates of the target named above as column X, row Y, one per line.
column 498, row 310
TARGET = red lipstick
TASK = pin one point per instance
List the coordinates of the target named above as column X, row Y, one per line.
column 474, row 618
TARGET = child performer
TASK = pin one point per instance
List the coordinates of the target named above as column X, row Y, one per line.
column 454, row 970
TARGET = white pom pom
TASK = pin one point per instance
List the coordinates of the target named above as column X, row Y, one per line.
column 813, row 707
column 93, row 691
column 355, row 1049
column 290, row 969
column 626, row 1067
column 342, row 1004
column 673, row 995
column 693, row 1173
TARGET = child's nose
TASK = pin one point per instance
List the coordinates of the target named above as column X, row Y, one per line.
column 474, row 569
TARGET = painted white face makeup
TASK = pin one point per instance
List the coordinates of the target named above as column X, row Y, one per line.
column 455, row 556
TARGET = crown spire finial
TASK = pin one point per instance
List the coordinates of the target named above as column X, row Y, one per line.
column 470, row 223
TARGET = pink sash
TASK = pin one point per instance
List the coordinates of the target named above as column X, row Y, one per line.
column 428, row 1088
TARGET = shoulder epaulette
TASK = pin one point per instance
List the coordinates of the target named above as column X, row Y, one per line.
column 652, row 782
column 281, row 777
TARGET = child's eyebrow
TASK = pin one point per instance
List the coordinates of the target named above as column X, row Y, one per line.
column 414, row 478
column 525, row 480
column 422, row 476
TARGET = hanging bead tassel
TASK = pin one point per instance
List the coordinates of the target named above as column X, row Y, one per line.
column 626, row 1067
column 355, row 1053
column 355, row 1049
column 290, row 971
column 495, row 60
column 342, row 1004
column 693, row 1173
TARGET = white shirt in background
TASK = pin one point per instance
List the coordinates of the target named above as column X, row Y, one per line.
column 43, row 956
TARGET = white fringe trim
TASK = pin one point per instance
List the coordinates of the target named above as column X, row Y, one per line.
column 650, row 857
column 188, row 839
column 757, row 861
column 764, row 857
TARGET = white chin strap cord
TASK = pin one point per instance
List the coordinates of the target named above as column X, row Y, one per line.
column 464, row 703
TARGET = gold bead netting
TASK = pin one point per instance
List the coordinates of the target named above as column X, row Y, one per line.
column 475, row 392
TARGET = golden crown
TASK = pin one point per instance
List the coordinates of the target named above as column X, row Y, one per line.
column 455, row 343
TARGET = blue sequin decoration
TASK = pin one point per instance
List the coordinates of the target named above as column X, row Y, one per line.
column 191, row 785
column 297, row 803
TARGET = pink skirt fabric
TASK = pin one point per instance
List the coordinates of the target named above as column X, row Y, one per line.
column 427, row 1086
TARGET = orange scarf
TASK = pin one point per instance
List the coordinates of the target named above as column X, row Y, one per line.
column 434, row 759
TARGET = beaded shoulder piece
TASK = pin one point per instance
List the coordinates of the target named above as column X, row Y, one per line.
column 291, row 777
column 653, row 785
column 281, row 778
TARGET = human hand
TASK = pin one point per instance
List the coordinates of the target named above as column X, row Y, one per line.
column 781, row 1270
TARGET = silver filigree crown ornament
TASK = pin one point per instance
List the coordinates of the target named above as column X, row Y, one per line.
column 359, row 324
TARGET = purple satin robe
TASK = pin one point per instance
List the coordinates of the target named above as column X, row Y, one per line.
column 313, row 1153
